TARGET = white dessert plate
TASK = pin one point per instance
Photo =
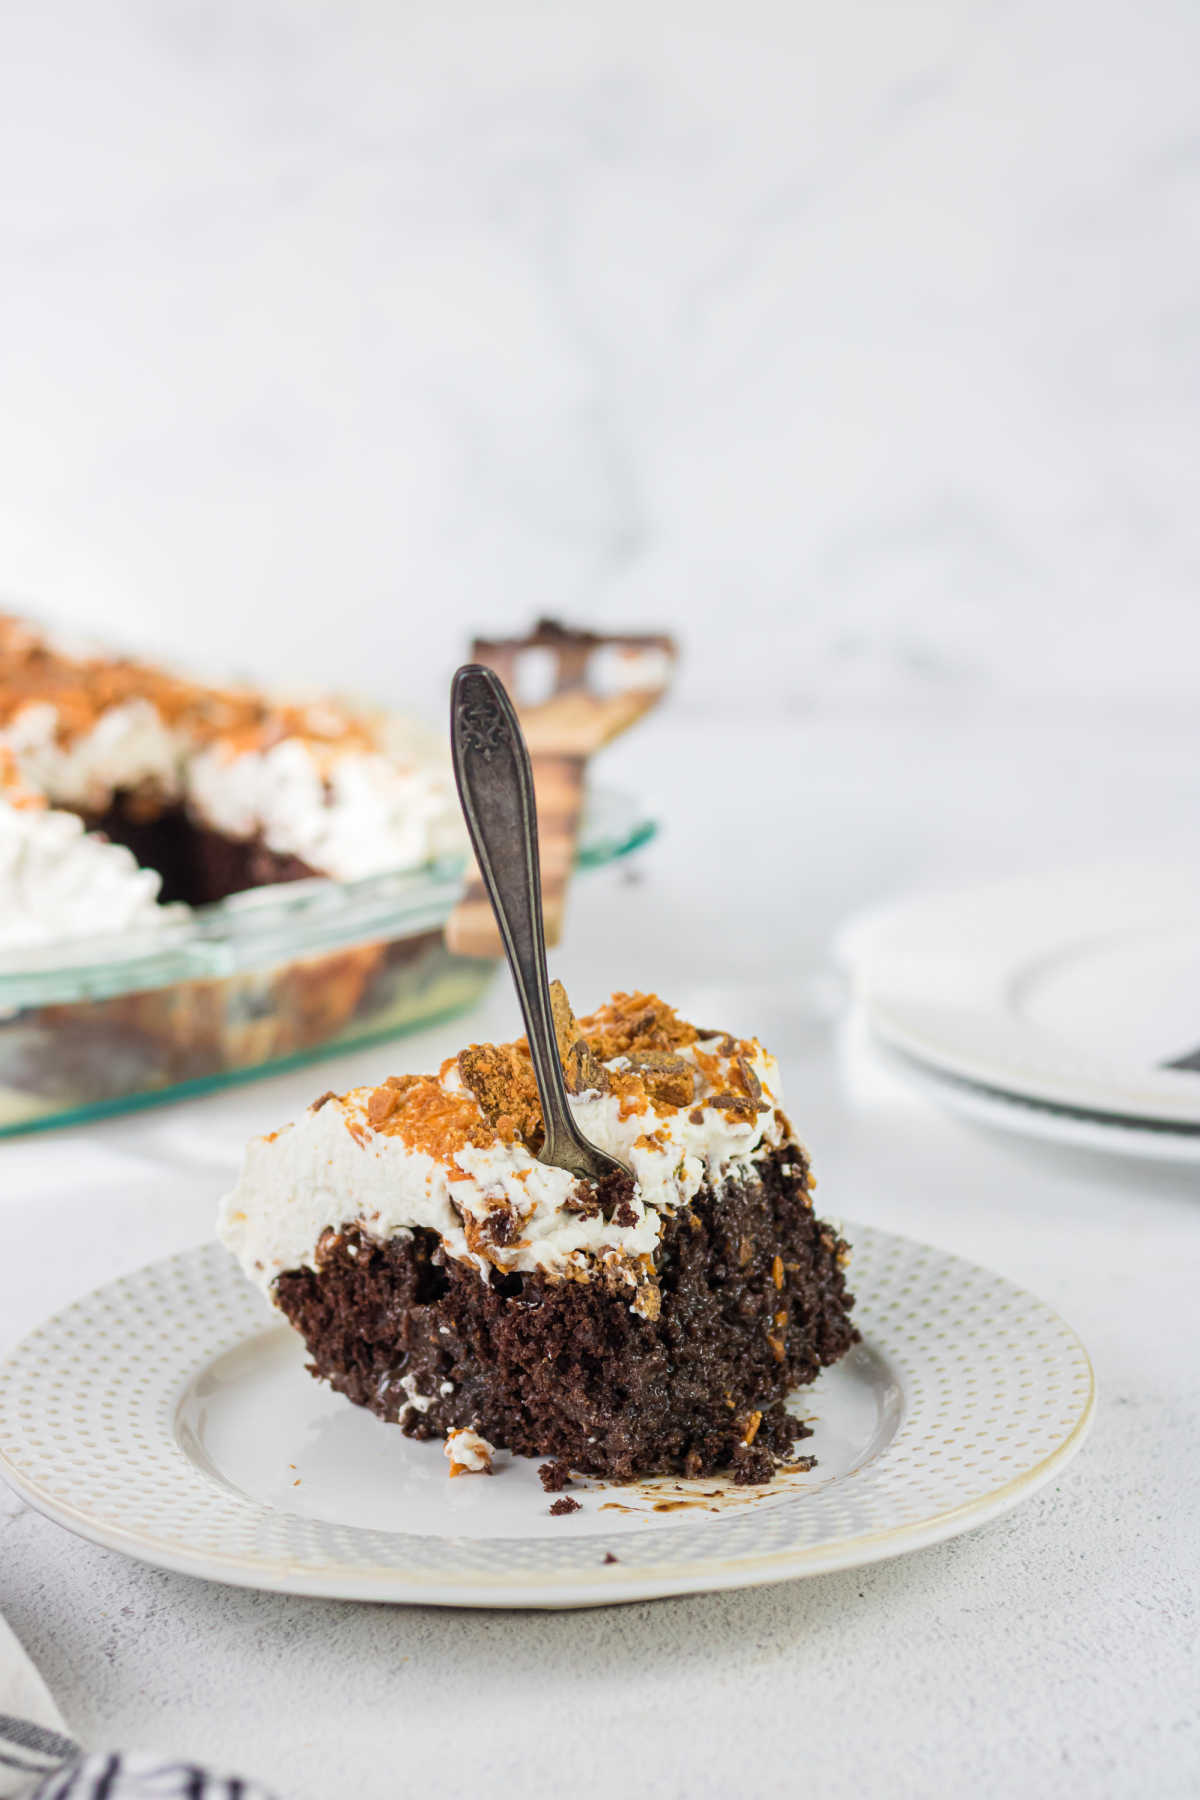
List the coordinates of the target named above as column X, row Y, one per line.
column 1077, row 990
column 169, row 1416
column 1033, row 1119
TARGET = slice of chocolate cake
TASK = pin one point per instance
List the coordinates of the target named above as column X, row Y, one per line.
column 446, row 1279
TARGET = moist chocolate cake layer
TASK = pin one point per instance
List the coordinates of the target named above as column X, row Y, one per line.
column 753, row 1304
column 197, row 865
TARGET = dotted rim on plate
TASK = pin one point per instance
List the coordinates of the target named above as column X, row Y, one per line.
column 997, row 1394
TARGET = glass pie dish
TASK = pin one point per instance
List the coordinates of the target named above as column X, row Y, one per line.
column 261, row 981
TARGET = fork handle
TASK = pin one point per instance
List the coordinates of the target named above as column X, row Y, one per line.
column 495, row 784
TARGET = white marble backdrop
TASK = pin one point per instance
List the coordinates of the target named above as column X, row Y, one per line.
column 860, row 343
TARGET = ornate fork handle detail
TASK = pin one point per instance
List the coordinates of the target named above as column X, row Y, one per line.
column 495, row 785
column 484, row 726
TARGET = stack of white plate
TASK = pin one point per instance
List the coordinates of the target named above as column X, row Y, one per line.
column 1065, row 1005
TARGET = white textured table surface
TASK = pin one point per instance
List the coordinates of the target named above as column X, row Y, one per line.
column 1053, row 1652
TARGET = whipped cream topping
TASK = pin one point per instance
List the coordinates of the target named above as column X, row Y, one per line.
column 347, row 813
column 58, row 881
column 129, row 746
column 332, row 1169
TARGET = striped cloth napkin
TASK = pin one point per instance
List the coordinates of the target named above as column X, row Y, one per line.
column 40, row 1761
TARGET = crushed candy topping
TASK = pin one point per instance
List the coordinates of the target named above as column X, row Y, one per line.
column 636, row 1049
column 81, row 688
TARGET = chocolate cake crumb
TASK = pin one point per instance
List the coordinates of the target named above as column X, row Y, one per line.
column 582, row 1202
column 555, row 1475
column 564, row 1506
column 614, row 1197
column 610, row 1558
column 502, row 1226
column 752, row 1464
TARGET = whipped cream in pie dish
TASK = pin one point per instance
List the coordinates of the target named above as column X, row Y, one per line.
column 58, row 880
column 214, row 789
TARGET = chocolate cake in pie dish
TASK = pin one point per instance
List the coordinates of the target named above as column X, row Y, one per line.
column 650, row 1323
